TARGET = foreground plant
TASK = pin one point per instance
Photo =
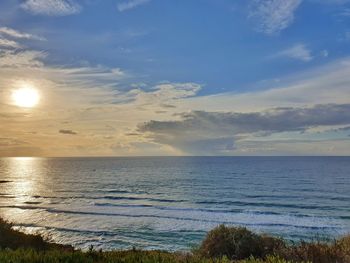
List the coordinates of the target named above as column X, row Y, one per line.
column 223, row 244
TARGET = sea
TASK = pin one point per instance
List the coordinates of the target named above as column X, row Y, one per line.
column 170, row 203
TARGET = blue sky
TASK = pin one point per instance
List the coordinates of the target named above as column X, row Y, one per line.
column 192, row 56
column 212, row 42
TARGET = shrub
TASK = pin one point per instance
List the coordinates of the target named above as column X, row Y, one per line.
column 222, row 245
column 238, row 243
column 344, row 244
column 338, row 251
column 13, row 239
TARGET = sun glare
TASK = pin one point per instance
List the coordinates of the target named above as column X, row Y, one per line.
column 26, row 97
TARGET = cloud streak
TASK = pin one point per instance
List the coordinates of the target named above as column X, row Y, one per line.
column 273, row 16
column 18, row 59
column 6, row 43
column 128, row 5
column 51, row 7
column 297, row 52
column 10, row 32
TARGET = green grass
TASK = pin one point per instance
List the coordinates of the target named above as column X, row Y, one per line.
column 221, row 245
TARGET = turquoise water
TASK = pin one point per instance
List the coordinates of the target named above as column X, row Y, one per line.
column 170, row 203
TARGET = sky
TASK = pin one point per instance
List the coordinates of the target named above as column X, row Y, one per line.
column 175, row 77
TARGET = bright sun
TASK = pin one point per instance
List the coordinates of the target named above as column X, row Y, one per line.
column 26, row 97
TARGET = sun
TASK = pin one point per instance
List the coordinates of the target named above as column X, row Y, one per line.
column 26, row 97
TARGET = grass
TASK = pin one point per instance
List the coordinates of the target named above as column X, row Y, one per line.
column 55, row 256
column 221, row 245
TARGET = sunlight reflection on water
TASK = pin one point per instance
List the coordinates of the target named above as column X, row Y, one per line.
column 170, row 203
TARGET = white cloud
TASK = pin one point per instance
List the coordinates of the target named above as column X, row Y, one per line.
column 347, row 36
column 19, row 59
column 5, row 43
column 298, row 52
column 167, row 91
column 124, row 6
column 10, row 32
column 273, row 16
column 324, row 53
column 51, row 7
column 345, row 12
column 326, row 84
column 255, row 122
column 88, row 99
column 330, row 2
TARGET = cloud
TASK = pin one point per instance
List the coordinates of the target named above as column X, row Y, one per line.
column 93, row 99
column 324, row 53
column 51, row 7
column 5, row 43
column 325, row 84
column 6, row 142
column 273, row 120
column 18, row 59
column 331, row 2
column 21, row 151
column 169, row 91
column 9, row 32
column 127, row 5
column 273, row 16
column 345, row 12
column 196, row 129
column 298, row 52
column 68, row 132
column 162, row 94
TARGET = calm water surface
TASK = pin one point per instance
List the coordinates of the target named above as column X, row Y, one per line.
column 170, row 203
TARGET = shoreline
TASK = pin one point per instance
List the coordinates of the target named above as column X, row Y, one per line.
column 222, row 244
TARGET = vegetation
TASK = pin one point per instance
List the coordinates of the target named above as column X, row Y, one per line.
column 338, row 251
column 238, row 243
column 54, row 256
column 12, row 239
column 221, row 245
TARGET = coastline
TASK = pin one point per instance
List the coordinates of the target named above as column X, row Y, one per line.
column 222, row 244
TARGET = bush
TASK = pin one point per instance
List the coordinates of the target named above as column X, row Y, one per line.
column 221, row 245
column 338, row 251
column 238, row 243
column 13, row 239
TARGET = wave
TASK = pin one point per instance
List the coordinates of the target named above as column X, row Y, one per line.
column 32, row 203
column 142, row 198
column 320, row 206
column 231, row 203
column 262, row 204
column 108, row 197
column 182, row 208
column 204, row 220
column 284, row 197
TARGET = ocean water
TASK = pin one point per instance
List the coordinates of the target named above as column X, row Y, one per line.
column 170, row 203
